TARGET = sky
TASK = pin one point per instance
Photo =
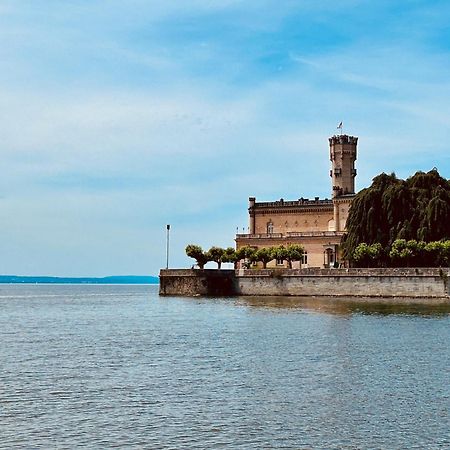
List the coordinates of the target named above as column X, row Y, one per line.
column 118, row 118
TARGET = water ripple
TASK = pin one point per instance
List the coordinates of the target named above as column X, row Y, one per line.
column 118, row 367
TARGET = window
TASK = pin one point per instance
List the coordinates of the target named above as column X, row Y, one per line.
column 280, row 262
column 270, row 228
column 304, row 259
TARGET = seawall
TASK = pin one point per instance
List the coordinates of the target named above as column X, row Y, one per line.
column 195, row 282
column 425, row 283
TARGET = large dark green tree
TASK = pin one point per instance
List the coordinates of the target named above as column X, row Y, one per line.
column 417, row 208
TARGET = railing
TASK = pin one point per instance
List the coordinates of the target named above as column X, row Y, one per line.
column 290, row 234
column 260, row 236
column 300, row 202
column 314, row 233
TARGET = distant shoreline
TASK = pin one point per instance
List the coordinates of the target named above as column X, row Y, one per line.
column 120, row 279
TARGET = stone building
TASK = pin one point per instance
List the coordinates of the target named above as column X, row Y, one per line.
column 318, row 225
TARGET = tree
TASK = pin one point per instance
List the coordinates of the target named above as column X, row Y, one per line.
column 248, row 254
column 279, row 252
column 411, row 253
column 438, row 253
column 294, row 252
column 367, row 255
column 229, row 255
column 216, row 254
column 416, row 209
column 264, row 255
column 196, row 252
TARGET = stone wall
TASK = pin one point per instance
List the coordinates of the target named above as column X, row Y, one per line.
column 425, row 283
column 391, row 283
column 196, row 282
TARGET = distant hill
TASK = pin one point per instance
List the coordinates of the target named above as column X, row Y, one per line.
column 122, row 279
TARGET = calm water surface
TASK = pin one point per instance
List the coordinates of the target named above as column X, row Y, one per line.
column 117, row 366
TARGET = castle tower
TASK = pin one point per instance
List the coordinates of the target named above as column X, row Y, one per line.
column 343, row 157
column 343, row 173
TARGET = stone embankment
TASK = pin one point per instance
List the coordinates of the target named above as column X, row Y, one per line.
column 425, row 283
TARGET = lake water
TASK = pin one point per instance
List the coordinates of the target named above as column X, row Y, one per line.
column 117, row 366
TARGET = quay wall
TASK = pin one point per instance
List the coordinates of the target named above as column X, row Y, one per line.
column 424, row 283
column 196, row 282
column 387, row 282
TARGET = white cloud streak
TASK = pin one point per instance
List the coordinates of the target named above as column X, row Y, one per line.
column 119, row 125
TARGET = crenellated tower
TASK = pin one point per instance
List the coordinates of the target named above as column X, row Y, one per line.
column 343, row 173
column 343, row 157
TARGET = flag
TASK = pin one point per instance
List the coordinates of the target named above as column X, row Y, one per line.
column 340, row 125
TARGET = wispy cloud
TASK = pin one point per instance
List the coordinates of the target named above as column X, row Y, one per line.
column 119, row 118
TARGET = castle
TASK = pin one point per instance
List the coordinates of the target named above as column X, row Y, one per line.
column 317, row 225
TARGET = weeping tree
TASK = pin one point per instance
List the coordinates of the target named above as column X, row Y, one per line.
column 390, row 209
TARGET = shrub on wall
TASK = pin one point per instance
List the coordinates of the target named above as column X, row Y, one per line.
column 403, row 253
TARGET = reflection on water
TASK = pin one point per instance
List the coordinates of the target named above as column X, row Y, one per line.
column 117, row 366
column 340, row 305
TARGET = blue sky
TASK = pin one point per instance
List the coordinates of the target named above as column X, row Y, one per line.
column 119, row 117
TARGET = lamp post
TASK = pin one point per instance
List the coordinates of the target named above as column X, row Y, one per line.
column 167, row 246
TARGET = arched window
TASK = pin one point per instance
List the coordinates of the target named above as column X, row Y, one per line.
column 269, row 228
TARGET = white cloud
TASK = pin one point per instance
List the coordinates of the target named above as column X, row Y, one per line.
column 113, row 125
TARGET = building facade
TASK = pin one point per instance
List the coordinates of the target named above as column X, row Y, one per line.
column 318, row 225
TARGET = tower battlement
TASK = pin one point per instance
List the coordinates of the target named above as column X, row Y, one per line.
column 343, row 139
column 343, row 156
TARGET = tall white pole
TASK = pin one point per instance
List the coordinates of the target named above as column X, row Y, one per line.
column 167, row 247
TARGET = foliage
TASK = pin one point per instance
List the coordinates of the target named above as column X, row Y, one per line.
column 248, row 254
column 291, row 253
column 196, row 252
column 245, row 252
column 280, row 252
column 367, row 255
column 216, row 254
column 416, row 209
column 264, row 255
column 408, row 253
column 438, row 253
column 404, row 253
column 294, row 253
column 229, row 255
